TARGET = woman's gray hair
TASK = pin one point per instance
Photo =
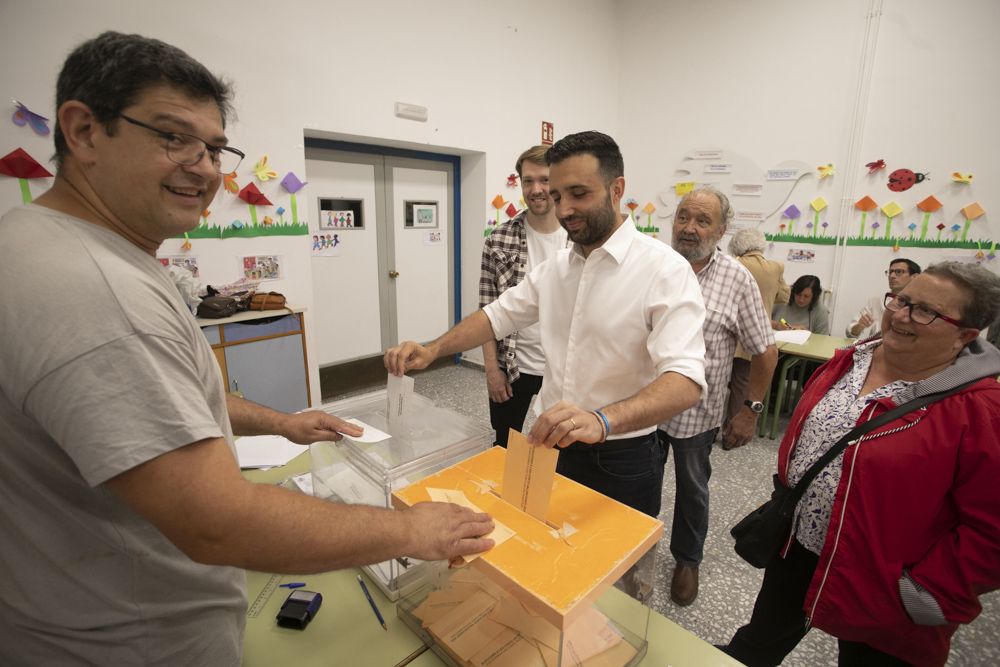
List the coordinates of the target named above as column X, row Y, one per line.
column 747, row 240
column 980, row 284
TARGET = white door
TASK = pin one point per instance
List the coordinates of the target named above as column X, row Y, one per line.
column 346, row 278
column 390, row 278
column 421, row 270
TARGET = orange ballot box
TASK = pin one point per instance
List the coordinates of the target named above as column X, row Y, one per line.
column 544, row 594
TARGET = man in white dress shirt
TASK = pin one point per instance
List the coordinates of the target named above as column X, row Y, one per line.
column 620, row 318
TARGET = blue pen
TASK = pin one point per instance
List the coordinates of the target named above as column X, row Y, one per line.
column 368, row 595
column 293, row 584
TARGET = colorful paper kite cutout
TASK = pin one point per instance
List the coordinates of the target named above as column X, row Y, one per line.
column 262, row 171
column 960, row 177
column 875, row 166
column 23, row 167
column 25, row 116
column 825, row 170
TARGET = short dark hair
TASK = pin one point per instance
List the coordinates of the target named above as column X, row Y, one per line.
column 812, row 282
column 601, row 146
column 108, row 73
column 912, row 266
column 981, row 287
column 534, row 155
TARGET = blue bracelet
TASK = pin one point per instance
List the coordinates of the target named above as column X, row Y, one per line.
column 607, row 425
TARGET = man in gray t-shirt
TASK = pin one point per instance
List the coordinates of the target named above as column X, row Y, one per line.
column 124, row 516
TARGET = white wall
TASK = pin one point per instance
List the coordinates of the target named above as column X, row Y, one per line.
column 777, row 80
column 336, row 68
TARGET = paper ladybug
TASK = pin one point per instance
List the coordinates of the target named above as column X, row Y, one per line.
column 902, row 180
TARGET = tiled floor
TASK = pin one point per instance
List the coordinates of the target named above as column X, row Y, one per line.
column 740, row 482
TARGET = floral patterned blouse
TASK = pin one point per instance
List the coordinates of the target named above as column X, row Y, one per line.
column 831, row 418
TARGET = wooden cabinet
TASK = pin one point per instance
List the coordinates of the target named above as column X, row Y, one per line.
column 263, row 356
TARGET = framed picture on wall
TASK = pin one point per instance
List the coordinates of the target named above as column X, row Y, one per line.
column 421, row 214
column 340, row 213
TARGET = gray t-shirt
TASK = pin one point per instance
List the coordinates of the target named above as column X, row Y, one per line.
column 102, row 368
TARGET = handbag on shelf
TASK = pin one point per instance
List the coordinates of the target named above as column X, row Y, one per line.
column 216, row 307
column 761, row 534
column 268, row 301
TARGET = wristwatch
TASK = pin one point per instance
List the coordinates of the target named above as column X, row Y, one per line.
column 755, row 406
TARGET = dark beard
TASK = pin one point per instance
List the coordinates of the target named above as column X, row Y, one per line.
column 599, row 223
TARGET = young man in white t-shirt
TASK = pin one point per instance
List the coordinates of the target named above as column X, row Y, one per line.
column 515, row 365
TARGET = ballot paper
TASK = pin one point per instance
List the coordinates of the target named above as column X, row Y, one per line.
column 399, row 390
column 370, row 435
column 528, row 475
column 797, row 336
column 266, row 451
column 500, row 533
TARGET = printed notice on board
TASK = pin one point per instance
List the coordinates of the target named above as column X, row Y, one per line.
column 747, row 189
column 718, row 168
column 749, row 216
column 706, row 155
column 782, row 174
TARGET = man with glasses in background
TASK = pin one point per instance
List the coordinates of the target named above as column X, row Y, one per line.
column 124, row 516
column 867, row 323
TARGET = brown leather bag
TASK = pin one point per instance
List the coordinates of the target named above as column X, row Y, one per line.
column 268, row 301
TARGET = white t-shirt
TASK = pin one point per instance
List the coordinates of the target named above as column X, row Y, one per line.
column 612, row 322
column 530, row 358
column 102, row 368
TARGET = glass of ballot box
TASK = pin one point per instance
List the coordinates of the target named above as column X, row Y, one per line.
column 551, row 592
column 423, row 440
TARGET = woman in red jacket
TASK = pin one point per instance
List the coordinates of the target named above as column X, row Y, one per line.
column 898, row 537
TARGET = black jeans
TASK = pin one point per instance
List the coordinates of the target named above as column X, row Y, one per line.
column 778, row 622
column 510, row 414
column 628, row 470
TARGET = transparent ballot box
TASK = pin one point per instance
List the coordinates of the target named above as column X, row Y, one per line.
column 547, row 595
column 425, row 440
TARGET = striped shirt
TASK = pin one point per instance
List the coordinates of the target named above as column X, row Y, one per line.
column 735, row 313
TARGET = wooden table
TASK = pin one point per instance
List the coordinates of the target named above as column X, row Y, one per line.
column 795, row 357
column 346, row 632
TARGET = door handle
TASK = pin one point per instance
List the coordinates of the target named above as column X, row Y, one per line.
column 394, row 274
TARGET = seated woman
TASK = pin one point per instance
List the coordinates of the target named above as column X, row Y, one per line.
column 803, row 310
column 899, row 535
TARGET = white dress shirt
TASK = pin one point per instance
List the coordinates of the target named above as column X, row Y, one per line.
column 610, row 323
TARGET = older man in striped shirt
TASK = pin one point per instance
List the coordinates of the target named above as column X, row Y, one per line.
column 735, row 313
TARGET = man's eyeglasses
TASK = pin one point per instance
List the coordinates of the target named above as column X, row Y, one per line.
column 187, row 150
column 897, row 272
column 919, row 313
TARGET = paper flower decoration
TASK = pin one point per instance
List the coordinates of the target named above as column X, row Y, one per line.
column 649, row 209
column 792, row 213
column 891, row 210
column 25, row 116
column 928, row 206
column 825, row 170
column 511, row 210
column 912, row 227
column 229, row 182
column 961, row 177
column 864, row 205
column 940, row 228
column 631, row 204
column 817, row 205
column 23, row 167
column 292, row 184
column 262, row 171
column 498, row 203
column 971, row 212
column 825, row 225
column 281, row 214
column 254, row 197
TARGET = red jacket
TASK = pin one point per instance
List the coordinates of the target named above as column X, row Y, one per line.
column 921, row 493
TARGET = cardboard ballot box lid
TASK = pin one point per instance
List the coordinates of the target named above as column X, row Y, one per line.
column 555, row 577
